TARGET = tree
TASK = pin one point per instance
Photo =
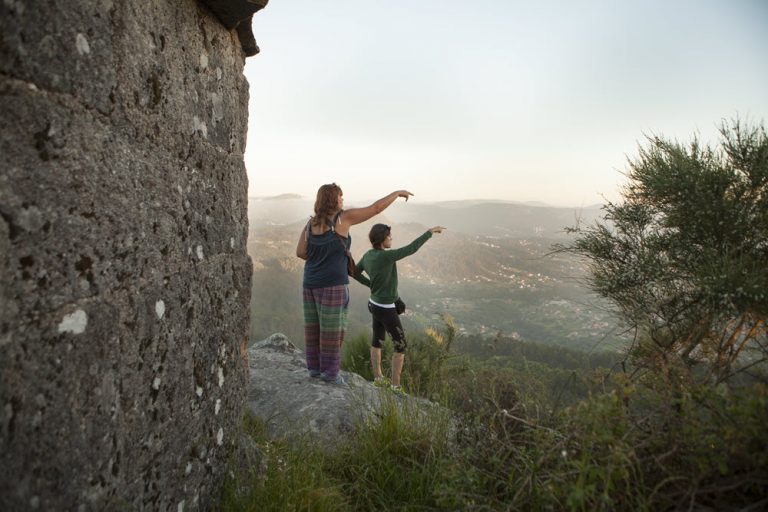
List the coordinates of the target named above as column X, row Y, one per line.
column 684, row 256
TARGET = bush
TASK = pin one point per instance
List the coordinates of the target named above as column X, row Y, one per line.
column 682, row 258
column 707, row 446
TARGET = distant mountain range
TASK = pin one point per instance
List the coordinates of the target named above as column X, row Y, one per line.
column 478, row 217
column 280, row 197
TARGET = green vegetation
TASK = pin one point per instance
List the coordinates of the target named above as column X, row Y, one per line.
column 683, row 257
column 529, row 436
column 401, row 454
column 295, row 478
column 395, row 463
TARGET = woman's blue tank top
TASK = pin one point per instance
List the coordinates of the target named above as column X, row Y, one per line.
column 326, row 263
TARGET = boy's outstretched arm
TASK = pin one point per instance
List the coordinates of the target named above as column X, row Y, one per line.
column 402, row 252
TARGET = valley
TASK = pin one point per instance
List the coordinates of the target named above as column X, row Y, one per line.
column 487, row 276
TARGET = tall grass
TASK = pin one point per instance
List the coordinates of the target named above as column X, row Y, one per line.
column 396, row 461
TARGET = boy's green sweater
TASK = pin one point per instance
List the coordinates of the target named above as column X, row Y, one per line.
column 381, row 268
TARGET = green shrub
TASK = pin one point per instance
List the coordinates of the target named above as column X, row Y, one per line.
column 707, row 446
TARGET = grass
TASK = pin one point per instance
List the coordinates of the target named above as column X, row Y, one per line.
column 395, row 461
column 295, row 478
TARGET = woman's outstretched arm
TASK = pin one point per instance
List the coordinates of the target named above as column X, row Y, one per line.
column 357, row 215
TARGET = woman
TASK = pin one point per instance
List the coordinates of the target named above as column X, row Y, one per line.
column 380, row 265
column 324, row 244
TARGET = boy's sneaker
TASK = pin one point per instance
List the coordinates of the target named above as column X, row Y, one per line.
column 381, row 382
column 338, row 380
column 398, row 390
column 315, row 373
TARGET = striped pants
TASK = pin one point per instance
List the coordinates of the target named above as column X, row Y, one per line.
column 325, row 323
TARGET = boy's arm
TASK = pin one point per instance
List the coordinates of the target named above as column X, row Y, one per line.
column 402, row 252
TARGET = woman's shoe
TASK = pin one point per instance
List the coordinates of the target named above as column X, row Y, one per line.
column 381, row 382
column 315, row 373
column 338, row 380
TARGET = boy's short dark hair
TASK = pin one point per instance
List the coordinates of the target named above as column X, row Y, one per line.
column 378, row 234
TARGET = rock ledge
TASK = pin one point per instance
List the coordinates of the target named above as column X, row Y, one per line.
column 293, row 405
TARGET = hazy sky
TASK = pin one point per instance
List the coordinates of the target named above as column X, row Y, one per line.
column 496, row 99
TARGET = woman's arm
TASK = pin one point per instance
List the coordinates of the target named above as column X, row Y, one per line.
column 357, row 215
column 303, row 243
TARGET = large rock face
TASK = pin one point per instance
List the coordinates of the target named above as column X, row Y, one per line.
column 124, row 279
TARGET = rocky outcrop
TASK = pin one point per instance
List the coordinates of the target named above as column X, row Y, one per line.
column 237, row 14
column 293, row 405
column 124, row 278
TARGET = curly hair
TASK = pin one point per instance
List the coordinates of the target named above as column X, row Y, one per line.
column 326, row 203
